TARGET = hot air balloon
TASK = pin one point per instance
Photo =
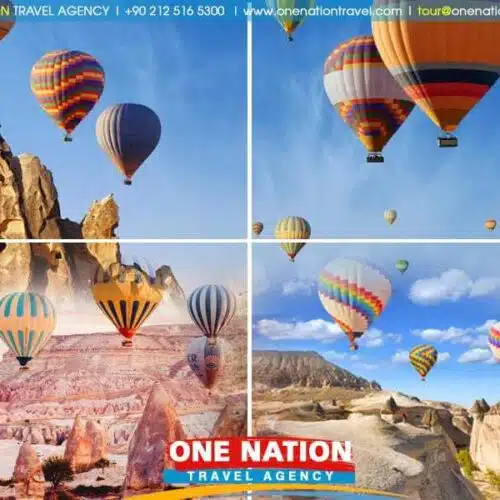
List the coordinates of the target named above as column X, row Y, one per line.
column 128, row 134
column 67, row 84
column 211, row 308
column 494, row 341
column 423, row 358
column 390, row 216
column 8, row 18
column 402, row 265
column 207, row 357
column 490, row 224
column 292, row 228
column 128, row 296
column 444, row 63
column 290, row 14
column 257, row 228
column 27, row 321
column 355, row 294
column 365, row 94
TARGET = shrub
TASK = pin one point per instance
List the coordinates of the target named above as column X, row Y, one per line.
column 464, row 459
column 102, row 464
column 6, row 482
column 57, row 470
column 493, row 478
column 96, row 491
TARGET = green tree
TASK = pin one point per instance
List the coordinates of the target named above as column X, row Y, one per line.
column 57, row 470
column 102, row 464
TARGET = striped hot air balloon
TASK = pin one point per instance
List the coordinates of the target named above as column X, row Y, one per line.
column 127, row 296
column 7, row 18
column 27, row 321
column 128, row 133
column 206, row 358
column 354, row 294
column 211, row 308
column 423, row 358
column 365, row 94
column 67, row 84
column 390, row 216
column 494, row 341
column 445, row 63
column 290, row 14
column 292, row 228
column 257, row 228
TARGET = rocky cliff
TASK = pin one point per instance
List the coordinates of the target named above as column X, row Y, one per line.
column 280, row 369
column 485, row 439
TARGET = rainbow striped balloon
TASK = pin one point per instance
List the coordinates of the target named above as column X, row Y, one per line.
column 423, row 358
column 27, row 321
column 494, row 341
column 67, row 84
column 354, row 294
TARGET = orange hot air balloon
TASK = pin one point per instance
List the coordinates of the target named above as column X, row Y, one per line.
column 490, row 224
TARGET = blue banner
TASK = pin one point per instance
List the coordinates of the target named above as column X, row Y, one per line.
column 257, row 476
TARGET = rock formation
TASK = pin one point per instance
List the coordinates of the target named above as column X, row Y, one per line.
column 485, row 440
column 28, row 474
column 232, row 420
column 147, row 457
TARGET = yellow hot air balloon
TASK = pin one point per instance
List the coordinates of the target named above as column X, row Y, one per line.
column 423, row 358
column 27, row 321
column 292, row 228
column 257, row 228
column 490, row 224
column 390, row 216
column 127, row 295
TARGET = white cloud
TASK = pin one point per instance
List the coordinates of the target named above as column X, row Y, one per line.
column 298, row 287
column 477, row 355
column 401, row 357
column 395, row 338
column 339, row 356
column 443, row 357
column 366, row 366
column 452, row 286
column 372, row 338
column 315, row 329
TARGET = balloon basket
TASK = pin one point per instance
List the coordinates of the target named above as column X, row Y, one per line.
column 127, row 182
column 353, row 347
column 68, row 139
column 24, row 368
column 447, row 142
column 127, row 343
column 290, row 38
column 374, row 158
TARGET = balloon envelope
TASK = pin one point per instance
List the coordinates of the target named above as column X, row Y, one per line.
column 364, row 93
column 128, row 133
column 292, row 228
column 8, row 18
column 290, row 14
column 494, row 341
column 354, row 294
column 67, row 84
column 27, row 321
column 490, row 224
column 211, row 308
column 257, row 228
column 423, row 358
column 402, row 265
column 390, row 216
column 206, row 358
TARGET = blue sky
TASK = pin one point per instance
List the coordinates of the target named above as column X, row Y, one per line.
column 193, row 74
column 448, row 297
column 308, row 162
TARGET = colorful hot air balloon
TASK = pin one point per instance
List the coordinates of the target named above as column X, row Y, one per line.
column 211, row 308
column 67, row 84
column 292, row 228
column 257, row 228
column 402, row 265
column 494, row 341
column 128, row 133
column 127, row 296
column 206, row 358
column 27, row 321
column 365, row 94
column 445, row 63
column 490, row 224
column 8, row 18
column 423, row 358
column 354, row 294
column 390, row 216
column 290, row 14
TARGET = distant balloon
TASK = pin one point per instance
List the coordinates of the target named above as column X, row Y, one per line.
column 27, row 321
column 67, row 84
column 8, row 18
column 206, row 358
column 390, row 216
column 490, row 224
column 127, row 296
column 423, row 358
column 494, row 341
column 354, row 294
column 211, row 308
column 128, row 133
column 365, row 94
column 290, row 14
column 257, row 228
column 402, row 265
column 292, row 228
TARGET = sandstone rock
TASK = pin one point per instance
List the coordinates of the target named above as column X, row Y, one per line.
column 485, row 442
column 232, row 420
column 97, row 436
column 390, row 406
column 147, row 458
column 79, row 447
column 28, row 475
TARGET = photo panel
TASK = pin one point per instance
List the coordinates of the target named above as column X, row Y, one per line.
column 161, row 98
column 109, row 351
column 395, row 348
column 322, row 102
